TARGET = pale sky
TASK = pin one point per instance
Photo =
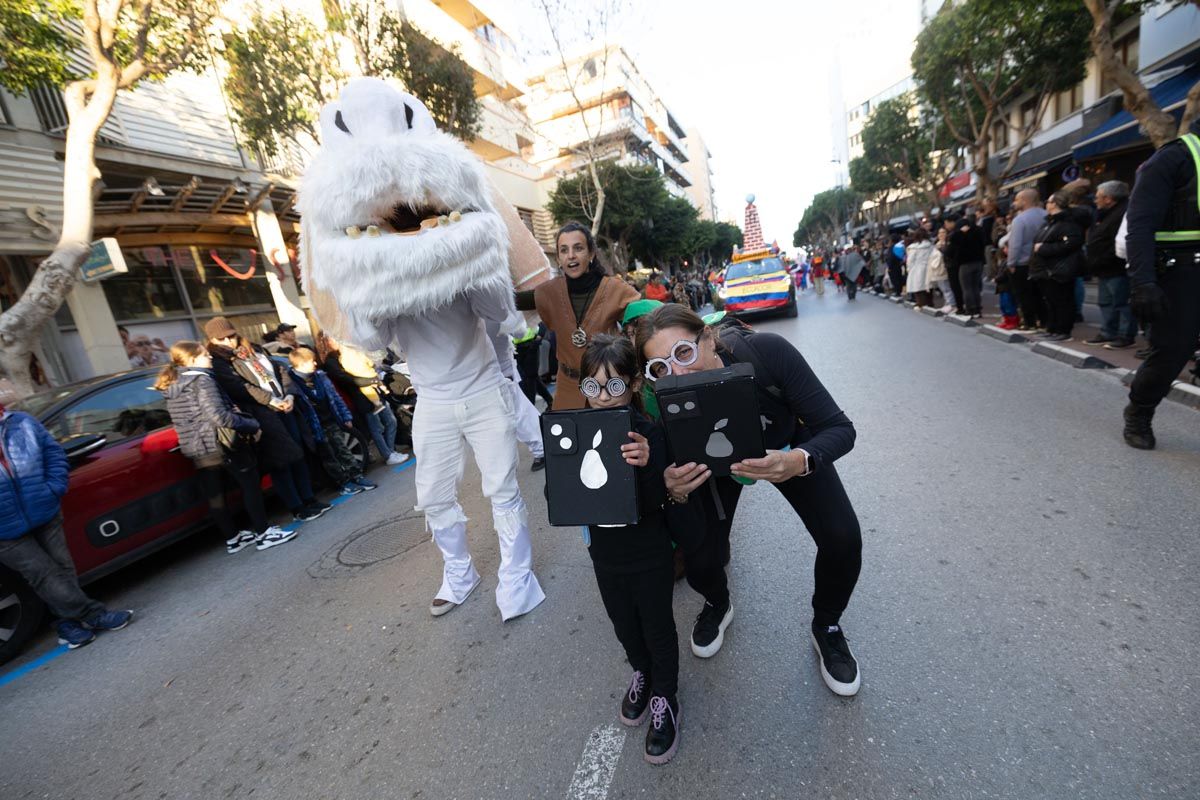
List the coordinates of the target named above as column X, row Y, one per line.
column 755, row 77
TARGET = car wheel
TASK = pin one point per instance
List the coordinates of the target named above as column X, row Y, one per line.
column 359, row 448
column 791, row 310
column 21, row 611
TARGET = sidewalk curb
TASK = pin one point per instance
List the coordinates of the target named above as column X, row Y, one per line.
column 930, row 311
column 1124, row 374
column 961, row 321
column 895, row 299
column 908, row 304
column 1185, row 393
column 1068, row 356
column 1011, row 337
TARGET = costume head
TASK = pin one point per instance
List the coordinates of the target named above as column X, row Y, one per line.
column 398, row 218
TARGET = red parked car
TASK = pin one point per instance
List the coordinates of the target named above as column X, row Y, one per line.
column 132, row 492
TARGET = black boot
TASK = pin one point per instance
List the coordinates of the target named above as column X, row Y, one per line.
column 662, row 738
column 1137, row 426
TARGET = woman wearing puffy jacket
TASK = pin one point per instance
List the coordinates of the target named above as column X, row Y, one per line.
column 199, row 410
column 919, row 253
column 1056, row 261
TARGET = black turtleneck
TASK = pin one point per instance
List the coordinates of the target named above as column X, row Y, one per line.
column 578, row 289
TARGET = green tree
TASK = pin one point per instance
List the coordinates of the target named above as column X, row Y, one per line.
column 386, row 45
column 123, row 42
column 282, row 69
column 976, row 57
column 1160, row 126
column 826, row 216
column 633, row 197
column 909, row 150
column 729, row 236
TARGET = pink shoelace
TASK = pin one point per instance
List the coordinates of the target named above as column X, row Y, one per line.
column 636, row 686
column 659, row 707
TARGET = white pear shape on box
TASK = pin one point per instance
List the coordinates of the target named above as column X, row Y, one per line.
column 592, row 472
column 719, row 445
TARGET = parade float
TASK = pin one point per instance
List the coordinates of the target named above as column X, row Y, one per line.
column 757, row 280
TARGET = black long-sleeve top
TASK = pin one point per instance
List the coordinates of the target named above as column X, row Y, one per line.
column 1163, row 199
column 800, row 412
column 632, row 548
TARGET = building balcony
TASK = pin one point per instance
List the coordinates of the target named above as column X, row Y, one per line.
column 501, row 131
column 492, row 74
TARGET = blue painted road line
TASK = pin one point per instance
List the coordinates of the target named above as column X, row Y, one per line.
column 20, row 672
column 412, row 462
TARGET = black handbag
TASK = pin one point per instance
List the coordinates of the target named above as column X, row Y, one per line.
column 233, row 441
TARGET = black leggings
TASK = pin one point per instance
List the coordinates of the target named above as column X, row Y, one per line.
column 212, row 484
column 639, row 605
column 821, row 502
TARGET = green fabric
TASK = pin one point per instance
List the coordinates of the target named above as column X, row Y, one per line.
column 639, row 308
column 650, row 402
column 713, row 318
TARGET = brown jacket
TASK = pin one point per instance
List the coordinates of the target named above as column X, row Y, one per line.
column 554, row 307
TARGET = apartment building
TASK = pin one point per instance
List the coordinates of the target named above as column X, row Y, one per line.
column 207, row 227
column 627, row 119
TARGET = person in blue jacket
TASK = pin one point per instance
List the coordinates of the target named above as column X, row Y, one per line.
column 33, row 480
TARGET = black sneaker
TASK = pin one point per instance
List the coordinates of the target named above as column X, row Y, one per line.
column 1144, row 353
column 1118, row 344
column 306, row 513
column 539, row 463
column 1099, row 338
column 839, row 670
column 636, row 703
column 662, row 737
column 708, row 634
column 1138, row 432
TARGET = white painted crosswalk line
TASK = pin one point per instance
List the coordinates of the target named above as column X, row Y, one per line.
column 594, row 773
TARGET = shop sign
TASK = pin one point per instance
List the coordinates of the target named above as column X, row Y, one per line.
column 104, row 260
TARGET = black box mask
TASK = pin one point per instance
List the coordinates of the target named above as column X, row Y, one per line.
column 712, row 417
column 587, row 479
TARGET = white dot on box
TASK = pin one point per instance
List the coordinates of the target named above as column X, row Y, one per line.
column 565, row 443
column 689, row 405
column 673, row 408
column 555, row 430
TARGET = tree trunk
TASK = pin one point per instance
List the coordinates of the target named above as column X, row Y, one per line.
column 21, row 325
column 1191, row 110
column 985, row 183
column 1158, row 124
column 595, row 175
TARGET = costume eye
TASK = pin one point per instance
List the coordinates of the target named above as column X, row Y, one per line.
column 340, row 124
column 590, row 387
column 616, row 387
column 408, row 115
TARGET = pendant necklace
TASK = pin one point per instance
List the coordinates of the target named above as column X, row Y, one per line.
column 579, row 336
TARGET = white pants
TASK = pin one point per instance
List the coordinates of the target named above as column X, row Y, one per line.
column 529, row 421
column 484, row 421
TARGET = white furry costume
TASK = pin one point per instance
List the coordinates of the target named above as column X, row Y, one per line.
column 401, row 243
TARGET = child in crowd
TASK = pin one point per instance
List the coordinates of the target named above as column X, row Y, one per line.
column 328, row 422
column 634, row 563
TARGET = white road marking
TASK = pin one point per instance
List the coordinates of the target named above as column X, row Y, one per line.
column 597, row 765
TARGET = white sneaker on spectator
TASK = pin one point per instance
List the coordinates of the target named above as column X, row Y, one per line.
column 397, row 458
column 273, row 536
column 239, row 542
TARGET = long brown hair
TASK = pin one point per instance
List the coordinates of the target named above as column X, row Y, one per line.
column 182, row 353
column 671, row 315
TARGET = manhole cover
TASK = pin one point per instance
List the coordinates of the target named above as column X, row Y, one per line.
column 384, row 541
column 372, row 545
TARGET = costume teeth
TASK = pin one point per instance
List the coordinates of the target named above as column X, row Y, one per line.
column 455, row 216
column 443, row 220
column 353, row 232
column 372, row 230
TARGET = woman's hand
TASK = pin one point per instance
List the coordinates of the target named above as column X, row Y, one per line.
column 776, row 466
column 682, row 481
column 1037, row 247
column 636, row 454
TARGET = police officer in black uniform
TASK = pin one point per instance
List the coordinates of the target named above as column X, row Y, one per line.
column 1163, row 247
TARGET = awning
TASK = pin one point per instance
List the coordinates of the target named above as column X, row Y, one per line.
column 1023, row 181
column 1123, row 131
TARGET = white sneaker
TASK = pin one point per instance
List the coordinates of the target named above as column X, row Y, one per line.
column 396, row 458
column 274, row 535
column 240, row 541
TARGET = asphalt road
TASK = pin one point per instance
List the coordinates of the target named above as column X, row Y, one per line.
column 1026, row 624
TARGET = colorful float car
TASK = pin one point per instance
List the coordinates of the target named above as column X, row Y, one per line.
column 757, row 281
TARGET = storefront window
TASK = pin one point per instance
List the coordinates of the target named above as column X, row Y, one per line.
column 222, row 279
column 148, row 290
